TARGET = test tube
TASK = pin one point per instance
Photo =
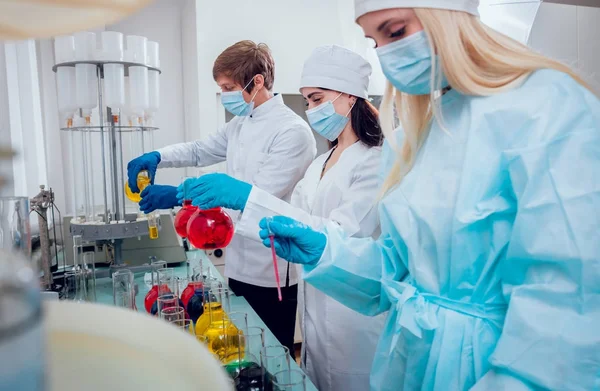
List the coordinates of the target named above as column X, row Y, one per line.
column 153, row 225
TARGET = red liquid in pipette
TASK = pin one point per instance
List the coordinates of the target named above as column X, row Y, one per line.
column 275, row 266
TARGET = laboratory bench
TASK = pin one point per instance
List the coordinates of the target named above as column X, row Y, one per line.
column 104, row 295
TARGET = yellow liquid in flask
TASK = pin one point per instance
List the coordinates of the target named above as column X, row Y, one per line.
column 215, row 325
column 142, row 182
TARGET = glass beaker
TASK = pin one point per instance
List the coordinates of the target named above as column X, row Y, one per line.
column 289, row 380
column 247, row 371
column 239, row 320
column 123, row 289
column 152, row 295
column 166, row 301
column 210, row 229
column 74, row 285
column 89, row 275
column 174, row 313
column 184, row 325
column 143, row 180
column 274, row 358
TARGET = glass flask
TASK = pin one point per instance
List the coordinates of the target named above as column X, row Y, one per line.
column 214, row 323
column 183, row 216
column 197, row 282
column 143, row 180
column 210, row 229
column 152, row 294
column 186, row 211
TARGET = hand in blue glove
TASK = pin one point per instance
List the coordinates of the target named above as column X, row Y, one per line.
column 294, row 241
column 158, row 197
column 148, row 161
column 214, row 190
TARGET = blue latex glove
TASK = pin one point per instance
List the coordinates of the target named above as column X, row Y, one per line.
column 214, row 190
column 294, row 241
column 158, row 197
column 148, row 161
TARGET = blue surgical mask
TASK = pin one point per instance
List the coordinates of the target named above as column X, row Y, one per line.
column 325, row 121
column 234, row 102
column 407, row 64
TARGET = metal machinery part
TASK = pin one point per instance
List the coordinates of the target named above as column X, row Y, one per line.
column 40, row 204
column 114, row 223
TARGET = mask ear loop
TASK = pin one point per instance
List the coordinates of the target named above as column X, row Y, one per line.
column 256, row 93
column 351, row 107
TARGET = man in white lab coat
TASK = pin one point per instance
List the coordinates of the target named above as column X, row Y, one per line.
column 266, row 145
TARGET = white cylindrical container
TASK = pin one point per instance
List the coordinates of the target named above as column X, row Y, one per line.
column 86, row 82
column 65, row 86
column 112, row 45
column 138, row 92
column 114, row 87
column 86, row 89
column 64, row 49
column 85, row 46
column 153, row 81
column 137, row 49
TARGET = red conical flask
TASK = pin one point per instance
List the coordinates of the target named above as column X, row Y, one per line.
column 182, row 218
column 210, row 229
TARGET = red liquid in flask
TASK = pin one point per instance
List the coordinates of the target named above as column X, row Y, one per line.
column 183, row 216
column 210, row 229
column 188, row 292
column 151, row 297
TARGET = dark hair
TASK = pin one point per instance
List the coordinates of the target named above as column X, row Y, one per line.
column 244, row 60
column 364, row 118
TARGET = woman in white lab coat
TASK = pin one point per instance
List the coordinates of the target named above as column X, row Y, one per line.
column 341, row 186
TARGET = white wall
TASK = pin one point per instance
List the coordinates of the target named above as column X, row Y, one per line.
column 570, row 34
column 162, row 22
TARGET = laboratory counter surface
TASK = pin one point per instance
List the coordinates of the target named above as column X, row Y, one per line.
column 238, row 304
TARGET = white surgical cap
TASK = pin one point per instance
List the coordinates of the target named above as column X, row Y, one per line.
column 336, row 68
column 362, row 7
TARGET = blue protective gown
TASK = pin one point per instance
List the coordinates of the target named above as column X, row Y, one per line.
column 488, row 259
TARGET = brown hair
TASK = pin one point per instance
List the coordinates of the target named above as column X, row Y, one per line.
column 244, row 60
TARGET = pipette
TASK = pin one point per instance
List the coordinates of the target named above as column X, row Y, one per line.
column 275, row 266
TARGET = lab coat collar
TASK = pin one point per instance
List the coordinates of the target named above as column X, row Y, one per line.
column 264, row 109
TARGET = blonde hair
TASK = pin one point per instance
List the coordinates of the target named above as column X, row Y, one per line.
column 475, row 59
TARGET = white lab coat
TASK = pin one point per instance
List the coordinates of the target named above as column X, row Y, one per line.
column 270, row 149
column 339, row 344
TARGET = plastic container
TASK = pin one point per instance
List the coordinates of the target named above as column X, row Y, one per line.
column 64, row 49
column 153, row 81
column 114, row 74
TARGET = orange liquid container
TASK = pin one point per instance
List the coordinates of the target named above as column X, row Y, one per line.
column 183, row 216
column 210, row 229
column 143, row 180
